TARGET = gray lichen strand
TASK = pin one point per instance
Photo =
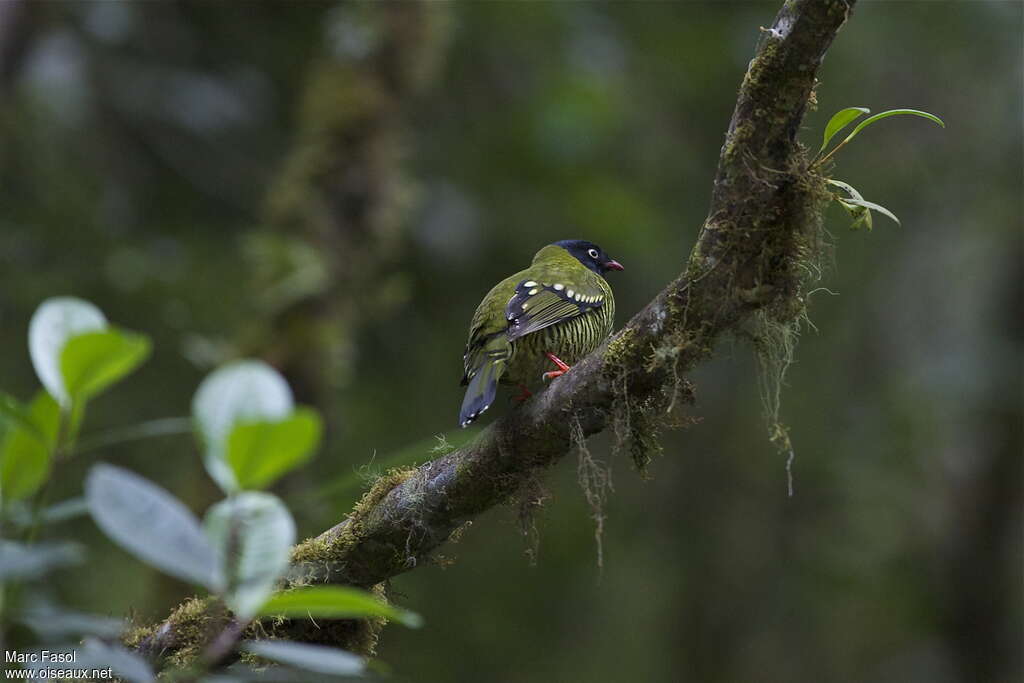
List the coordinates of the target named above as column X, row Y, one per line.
column 743, row 261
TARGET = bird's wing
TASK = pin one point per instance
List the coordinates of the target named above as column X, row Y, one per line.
column 537, row 305
column 487, row 339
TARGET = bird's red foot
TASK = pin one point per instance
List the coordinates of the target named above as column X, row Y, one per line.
column 524, row 394
column 562, row 366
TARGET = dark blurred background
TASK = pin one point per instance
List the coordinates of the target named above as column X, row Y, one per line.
column 333, row 187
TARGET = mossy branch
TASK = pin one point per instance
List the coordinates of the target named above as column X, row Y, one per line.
column 763, row 225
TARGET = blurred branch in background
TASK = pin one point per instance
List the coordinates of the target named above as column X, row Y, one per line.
column 748, row 269
column 325, row 260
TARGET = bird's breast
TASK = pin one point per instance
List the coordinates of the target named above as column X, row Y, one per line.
column 570, row 340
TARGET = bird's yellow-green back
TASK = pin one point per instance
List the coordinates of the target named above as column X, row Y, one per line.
column 560, row 306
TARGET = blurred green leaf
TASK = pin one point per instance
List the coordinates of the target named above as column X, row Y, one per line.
column 151, row 524
column 24, row 517
column 243, row 391
column 335, row 602
column 260, row 452
column 27, row 449
column 165, row 426
column 55, row 322
column 53, row 622
column 14, row 412
column 841, row 119
column 252, row 534
column 93, row 361
column 22, row 561
column 318, row 658
column 65, row 510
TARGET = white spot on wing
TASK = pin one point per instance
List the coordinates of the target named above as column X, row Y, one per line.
column 530, row 283
column 559, row 287
column 533, row 291
column 569, row 293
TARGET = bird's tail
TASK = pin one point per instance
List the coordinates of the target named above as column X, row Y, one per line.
column 483, row 387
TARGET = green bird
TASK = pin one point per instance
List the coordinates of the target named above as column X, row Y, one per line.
column 556, row 311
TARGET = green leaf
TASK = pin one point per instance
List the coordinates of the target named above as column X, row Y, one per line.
column 26, row 451
column 260, row 452
column 13, row 412
column 892, row 112
column 21, row 561
column 252, row 534
column 872, row 206
column 151, row 524
column 318, row 658
column 93, row 361
column 841, row 119
column 335, row 602
column 55, row 322
column 243, row 391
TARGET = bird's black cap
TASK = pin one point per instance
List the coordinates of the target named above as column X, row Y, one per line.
column 590, row 255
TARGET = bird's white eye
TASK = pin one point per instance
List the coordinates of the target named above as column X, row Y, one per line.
column 592, row 253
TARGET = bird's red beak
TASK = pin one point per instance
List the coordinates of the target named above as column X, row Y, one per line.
column 614, row 265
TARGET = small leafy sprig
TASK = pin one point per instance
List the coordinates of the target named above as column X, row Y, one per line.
column 859, row 208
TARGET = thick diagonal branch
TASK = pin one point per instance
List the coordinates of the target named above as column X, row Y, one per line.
column 765, row 212
column 746, row 258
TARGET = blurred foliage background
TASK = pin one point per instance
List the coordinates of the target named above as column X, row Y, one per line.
column 334, row 186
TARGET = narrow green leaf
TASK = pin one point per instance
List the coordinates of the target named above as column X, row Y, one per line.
column 93, row 361
column 841, row 119
column 892, row 112
column 243, row 391
column 26, row 452
column 845, row 187
column 335, row 602
column 150, row 523
column 55, row 322
column 874, row 207
column 317, row 658
column 252, row 534
column 260, row 452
